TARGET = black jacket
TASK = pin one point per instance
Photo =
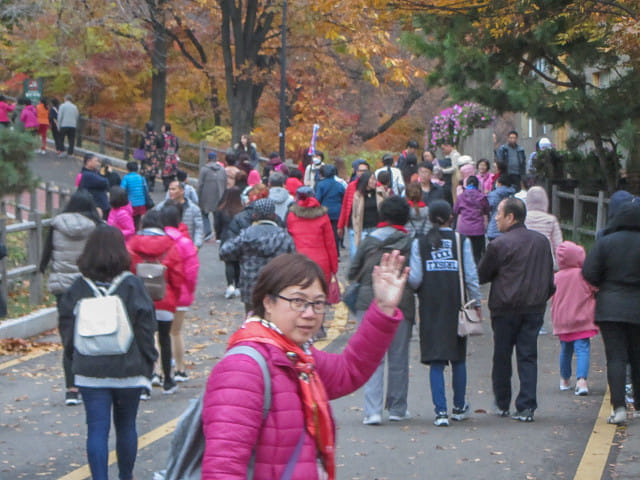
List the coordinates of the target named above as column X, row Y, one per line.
column 519, row 266
column 142, row 354
column 612, row 265
column 97, row 186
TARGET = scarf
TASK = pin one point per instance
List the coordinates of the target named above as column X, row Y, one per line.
column 315, row 402
column 419, row 204
column 397, row 227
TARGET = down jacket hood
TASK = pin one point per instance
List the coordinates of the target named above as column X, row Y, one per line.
column 279, row 195
column 537, row 199
column 150, row 244
column 263, row 239
column 570, row 255
column 215, row 166
column 73, row 225
column 618, row 199
column 627, row 218
column 307, row 212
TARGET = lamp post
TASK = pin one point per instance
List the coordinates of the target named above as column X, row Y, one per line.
column 283, row 81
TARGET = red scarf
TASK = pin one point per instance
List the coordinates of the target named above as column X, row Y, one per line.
column 315, row 402
column 419, row 204
column 397, row 227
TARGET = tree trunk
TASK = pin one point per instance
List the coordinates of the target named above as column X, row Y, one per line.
column 601, row 153
column 159, row 75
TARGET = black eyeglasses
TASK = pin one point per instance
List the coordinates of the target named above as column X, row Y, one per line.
column 300, row 304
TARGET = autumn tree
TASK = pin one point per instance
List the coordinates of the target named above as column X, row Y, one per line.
column 555, row 60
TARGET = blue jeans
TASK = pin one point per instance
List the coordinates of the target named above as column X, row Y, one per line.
column 582, row 348
column 352, row 240
column 97, row 404
column 459, row 380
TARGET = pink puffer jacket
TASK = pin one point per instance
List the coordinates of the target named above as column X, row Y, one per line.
column 122, row 218
column 190, row 265
column 232, row 412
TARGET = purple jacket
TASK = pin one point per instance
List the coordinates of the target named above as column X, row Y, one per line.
column 470, row 208
column 232, row 409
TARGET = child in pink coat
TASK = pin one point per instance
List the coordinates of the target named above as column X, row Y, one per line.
column 572, row 314
column 121, row 213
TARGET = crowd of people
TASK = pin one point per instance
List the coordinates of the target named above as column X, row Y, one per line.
column 422, row 236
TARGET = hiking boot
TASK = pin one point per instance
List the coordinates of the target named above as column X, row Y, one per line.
column 525, row 415
column 442, row 419
column 459, row 414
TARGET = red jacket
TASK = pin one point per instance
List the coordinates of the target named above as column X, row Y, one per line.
column 311, row 231
column 151, row 245
column 347, row 203
column 190, row 264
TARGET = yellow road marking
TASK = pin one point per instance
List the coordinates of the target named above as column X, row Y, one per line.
column 337, row 327
column 24, row 358
column 598, row 447
column 144, row 441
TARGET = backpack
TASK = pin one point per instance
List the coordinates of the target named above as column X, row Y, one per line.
column 152, row 275
column 102, row 324
column 187, row 446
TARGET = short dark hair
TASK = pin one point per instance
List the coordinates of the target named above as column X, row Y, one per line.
column 394, row 210
column 284, row 271
column 384, row 178
column 118, row 197
column 82, row 202
column 276, row 179
column 167, row 126
column 516, row 207
column 485, row 161
column 387, row 160
column 503, row 180
column 170, row 215
column 105, row 255
column 473, row 180
column 87, row 157
column 427, row 165
column 412, row 144
column 512, row 132
column 181, row 176
column 296, row 173
column 132, row 166
column 151, row 219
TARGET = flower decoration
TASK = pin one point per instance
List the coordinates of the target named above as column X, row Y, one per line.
column 455, row 123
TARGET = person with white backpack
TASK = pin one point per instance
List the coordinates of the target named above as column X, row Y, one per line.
column 108, row 319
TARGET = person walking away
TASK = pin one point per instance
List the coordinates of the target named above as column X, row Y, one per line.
column 502, row 191
column 212, row 183
column 397, row 181
column 231, row 169
column 111, row 382
column 330, row 193
column 435, row 276
column 390, row 235
column 345, row 220
column 293, row 182
column 191, row 215
column 137, row 190
column 511, row 159
column 94, row 183
column 573, row 314
column 121, row 212
column 152, row 245
column 519, row 266
column 279, row 195
column 42, row 112
column 472, row 211
column 29, row 117
column 467, row 168
column 170, row 217
column 539, row 220
column 55, row 127
column 418, row 223
column 289, row 307
column 612, row 266
column 170, row 159
column 310, row 228
column 255, row 246
column 367, row 200
column 5, row 109
column 106, row 170
column 152, row 144
column 230, row 206
column 68, row 117
column 63, row 245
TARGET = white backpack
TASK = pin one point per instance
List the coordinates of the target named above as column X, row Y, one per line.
column 102, row 323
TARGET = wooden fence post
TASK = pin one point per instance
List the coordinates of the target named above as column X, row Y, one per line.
column 80, row 130
column 48, row 199
column 577, row 214
column 34, row 247
column 18, row 211
column 127, row 142
column 4, row 283
column 63, row 198
column 555, row 201
column 103, row 136
column 33, row 200
column 601, row 218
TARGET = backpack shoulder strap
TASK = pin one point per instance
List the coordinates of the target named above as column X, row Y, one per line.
column 115, row 283
column 97, row 291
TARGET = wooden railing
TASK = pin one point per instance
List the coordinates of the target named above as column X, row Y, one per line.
column 577, row 225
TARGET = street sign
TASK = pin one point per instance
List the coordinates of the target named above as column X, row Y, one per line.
column 33, row 90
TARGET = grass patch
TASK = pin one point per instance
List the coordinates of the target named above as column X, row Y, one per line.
column 18, row 303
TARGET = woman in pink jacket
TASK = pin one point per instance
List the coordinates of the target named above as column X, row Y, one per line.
column 121, row 213
column 170, row 216
column 29, row 117
column 297, row 435
column 573, row 315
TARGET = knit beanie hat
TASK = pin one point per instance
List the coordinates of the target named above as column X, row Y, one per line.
column 264, row 209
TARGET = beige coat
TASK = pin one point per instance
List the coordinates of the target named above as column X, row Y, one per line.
column 357, row 211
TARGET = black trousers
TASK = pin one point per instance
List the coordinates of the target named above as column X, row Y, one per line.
column 67, row 355
column 478, row 246
column 164, row 339
column 232, row 272
column 334, row 227
column 519, row 330
column 70, row 134
column 57, row 138
column 622, row 346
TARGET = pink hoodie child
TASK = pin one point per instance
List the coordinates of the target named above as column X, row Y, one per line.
column 190, row 265
column 122, row 218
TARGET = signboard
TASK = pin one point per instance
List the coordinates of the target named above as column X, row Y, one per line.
column 33, row 90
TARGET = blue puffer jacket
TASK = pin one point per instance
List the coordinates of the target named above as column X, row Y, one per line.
column 495, row 197
column 330, row 193
column 135, row 185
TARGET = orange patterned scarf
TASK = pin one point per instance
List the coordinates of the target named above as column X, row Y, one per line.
column 315, row 402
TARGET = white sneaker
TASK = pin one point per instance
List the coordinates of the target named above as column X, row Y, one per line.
column 564, row 385
column 442, row 420
column 229, row 291
column 581, row 387
column 236, row 292
column 375, row 419
column 618, row 416
column 399, row 418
